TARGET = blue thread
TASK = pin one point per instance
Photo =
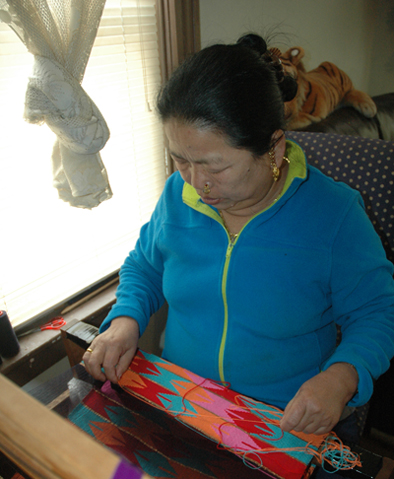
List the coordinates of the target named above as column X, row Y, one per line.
column 336, row 455
column 250, row 464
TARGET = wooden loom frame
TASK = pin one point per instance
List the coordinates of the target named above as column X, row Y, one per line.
column 47, row 446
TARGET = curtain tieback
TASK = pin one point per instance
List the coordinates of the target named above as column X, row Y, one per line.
column 55, row 97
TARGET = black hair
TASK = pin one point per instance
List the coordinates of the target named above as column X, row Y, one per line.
column 234, row 90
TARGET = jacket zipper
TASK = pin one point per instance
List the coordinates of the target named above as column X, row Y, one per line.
column 224, row 295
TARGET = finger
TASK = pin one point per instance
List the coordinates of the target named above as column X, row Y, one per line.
column 314, row 423
column 319, row 424
column 311, row 427
column 116, row 363
column 93, row 365
column 292, row 416
column 307, row 424
column 110, row 373
column 318, row 431
column 124, row 362
column 110, row 365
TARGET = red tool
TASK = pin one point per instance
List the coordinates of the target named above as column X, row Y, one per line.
column 56, row 323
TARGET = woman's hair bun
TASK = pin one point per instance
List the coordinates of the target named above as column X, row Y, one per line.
column 288, row 88
column 253, row 41
column 288, row 85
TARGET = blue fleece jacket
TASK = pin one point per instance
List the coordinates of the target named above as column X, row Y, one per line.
column 261, row 313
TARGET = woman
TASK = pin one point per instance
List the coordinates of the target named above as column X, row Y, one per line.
column 258, row 255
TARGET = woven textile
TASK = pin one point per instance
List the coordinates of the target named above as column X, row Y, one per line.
column 247, row 428
column 154, row 441
column 174, row 423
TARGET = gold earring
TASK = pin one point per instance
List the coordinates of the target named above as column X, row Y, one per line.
column 274, row 166
column 206, row 190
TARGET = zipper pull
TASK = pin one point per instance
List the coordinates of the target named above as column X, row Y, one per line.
column 229, row 249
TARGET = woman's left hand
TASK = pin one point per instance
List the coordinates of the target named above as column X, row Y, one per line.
column 318, row 404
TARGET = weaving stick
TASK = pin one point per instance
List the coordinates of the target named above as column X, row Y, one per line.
column 46, row 446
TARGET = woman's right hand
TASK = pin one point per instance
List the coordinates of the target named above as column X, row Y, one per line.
column 113, row 350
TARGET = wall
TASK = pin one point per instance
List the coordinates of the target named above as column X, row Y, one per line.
column 356, row 35
column 382, row 66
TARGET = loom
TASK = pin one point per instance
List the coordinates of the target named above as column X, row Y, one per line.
column 46, row 446
column 165, row 421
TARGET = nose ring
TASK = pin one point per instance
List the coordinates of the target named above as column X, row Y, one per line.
column 206, row 190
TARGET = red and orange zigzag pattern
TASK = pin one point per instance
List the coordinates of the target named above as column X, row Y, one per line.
column 248, row 428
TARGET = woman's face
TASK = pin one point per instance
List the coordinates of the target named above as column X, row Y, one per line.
column 236, row 178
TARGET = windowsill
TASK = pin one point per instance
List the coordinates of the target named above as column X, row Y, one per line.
column 41, row 350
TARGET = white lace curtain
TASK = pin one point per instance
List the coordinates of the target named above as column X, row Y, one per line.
column 60, row 35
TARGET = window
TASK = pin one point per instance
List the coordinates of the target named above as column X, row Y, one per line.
column 50, row 251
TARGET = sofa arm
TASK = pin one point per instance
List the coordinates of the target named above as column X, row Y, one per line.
column 348, row 121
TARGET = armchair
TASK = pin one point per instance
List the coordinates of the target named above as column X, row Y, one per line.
column 348, row 121
column 367, row 165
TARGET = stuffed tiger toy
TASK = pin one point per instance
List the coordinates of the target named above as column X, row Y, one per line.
column 320, row 91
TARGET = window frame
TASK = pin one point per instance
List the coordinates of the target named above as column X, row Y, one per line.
column 179, row 36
